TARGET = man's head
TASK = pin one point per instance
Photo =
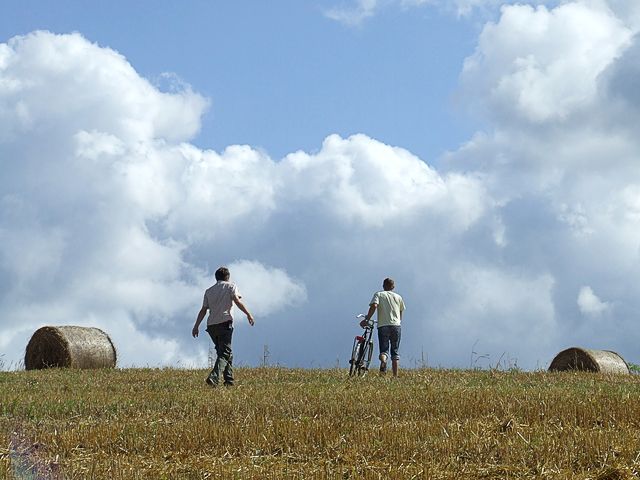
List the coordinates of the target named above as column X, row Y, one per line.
column 222, row 274
column 388, row 284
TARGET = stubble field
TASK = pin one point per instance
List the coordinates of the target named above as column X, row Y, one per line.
column 282, row 423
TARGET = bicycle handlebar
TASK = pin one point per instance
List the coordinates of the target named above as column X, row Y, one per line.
column 371, row 321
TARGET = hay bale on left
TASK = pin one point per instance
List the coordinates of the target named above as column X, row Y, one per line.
column 70, row 346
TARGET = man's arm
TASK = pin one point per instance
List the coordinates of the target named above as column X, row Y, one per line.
column 240, row 305
column 372, row 309
column 201, row 314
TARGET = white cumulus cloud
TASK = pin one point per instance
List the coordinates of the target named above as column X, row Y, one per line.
column 538, row 64
column 589, row 302
column 268, row 289
column 101, row 197
column 355, row 14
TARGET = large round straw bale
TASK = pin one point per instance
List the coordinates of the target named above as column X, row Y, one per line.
column 70, row 346
column 602, row 361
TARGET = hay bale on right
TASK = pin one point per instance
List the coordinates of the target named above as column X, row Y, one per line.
column 583, row 359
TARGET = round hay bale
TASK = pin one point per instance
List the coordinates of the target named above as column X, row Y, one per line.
column 69, row 346
column 602, row 361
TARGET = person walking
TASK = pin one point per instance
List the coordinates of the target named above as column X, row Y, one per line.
column 390, row 307
column 219, row 300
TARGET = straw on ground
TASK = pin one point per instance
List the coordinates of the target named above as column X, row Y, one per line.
column 279, row 423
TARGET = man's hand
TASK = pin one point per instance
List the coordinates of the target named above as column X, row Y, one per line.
column 201, row 314
column 364, row 322
column 241, row 306
column 369, row 315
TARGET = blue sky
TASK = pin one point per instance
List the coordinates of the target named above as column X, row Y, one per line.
column 283, row 76
column 480, row 152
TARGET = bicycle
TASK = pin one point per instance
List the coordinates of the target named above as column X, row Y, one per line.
column 362, row 350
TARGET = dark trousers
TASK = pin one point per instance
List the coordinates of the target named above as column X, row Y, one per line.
column 389, row 336
column 221, row 335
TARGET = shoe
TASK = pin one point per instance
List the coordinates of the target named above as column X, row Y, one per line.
column 209, row 382
column 383, row 364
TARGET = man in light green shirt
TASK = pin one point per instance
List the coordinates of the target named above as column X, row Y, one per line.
column 390, row 307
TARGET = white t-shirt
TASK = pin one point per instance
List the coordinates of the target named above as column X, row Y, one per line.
column 390, row 305
column 219, row 300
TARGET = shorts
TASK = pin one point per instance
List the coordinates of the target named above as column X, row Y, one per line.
column 389, row 335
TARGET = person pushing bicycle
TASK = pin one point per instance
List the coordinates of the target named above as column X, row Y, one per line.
column 390, row 307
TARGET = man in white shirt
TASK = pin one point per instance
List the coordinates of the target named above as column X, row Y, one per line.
column 390, row 307
column 219, row 300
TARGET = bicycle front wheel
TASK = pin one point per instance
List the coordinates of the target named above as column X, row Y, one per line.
column 364, row 358
column 369, row 354
column 355, row 355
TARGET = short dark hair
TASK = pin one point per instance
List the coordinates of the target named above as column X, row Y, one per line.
column 388, row 284
column 222, row 274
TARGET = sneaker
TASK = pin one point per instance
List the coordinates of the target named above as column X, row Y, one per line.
column 209, row 382
column 383, row 363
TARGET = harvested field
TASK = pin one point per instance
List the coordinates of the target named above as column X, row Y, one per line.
column 280, row 423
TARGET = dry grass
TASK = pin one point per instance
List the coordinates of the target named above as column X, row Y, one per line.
column 277, row 423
